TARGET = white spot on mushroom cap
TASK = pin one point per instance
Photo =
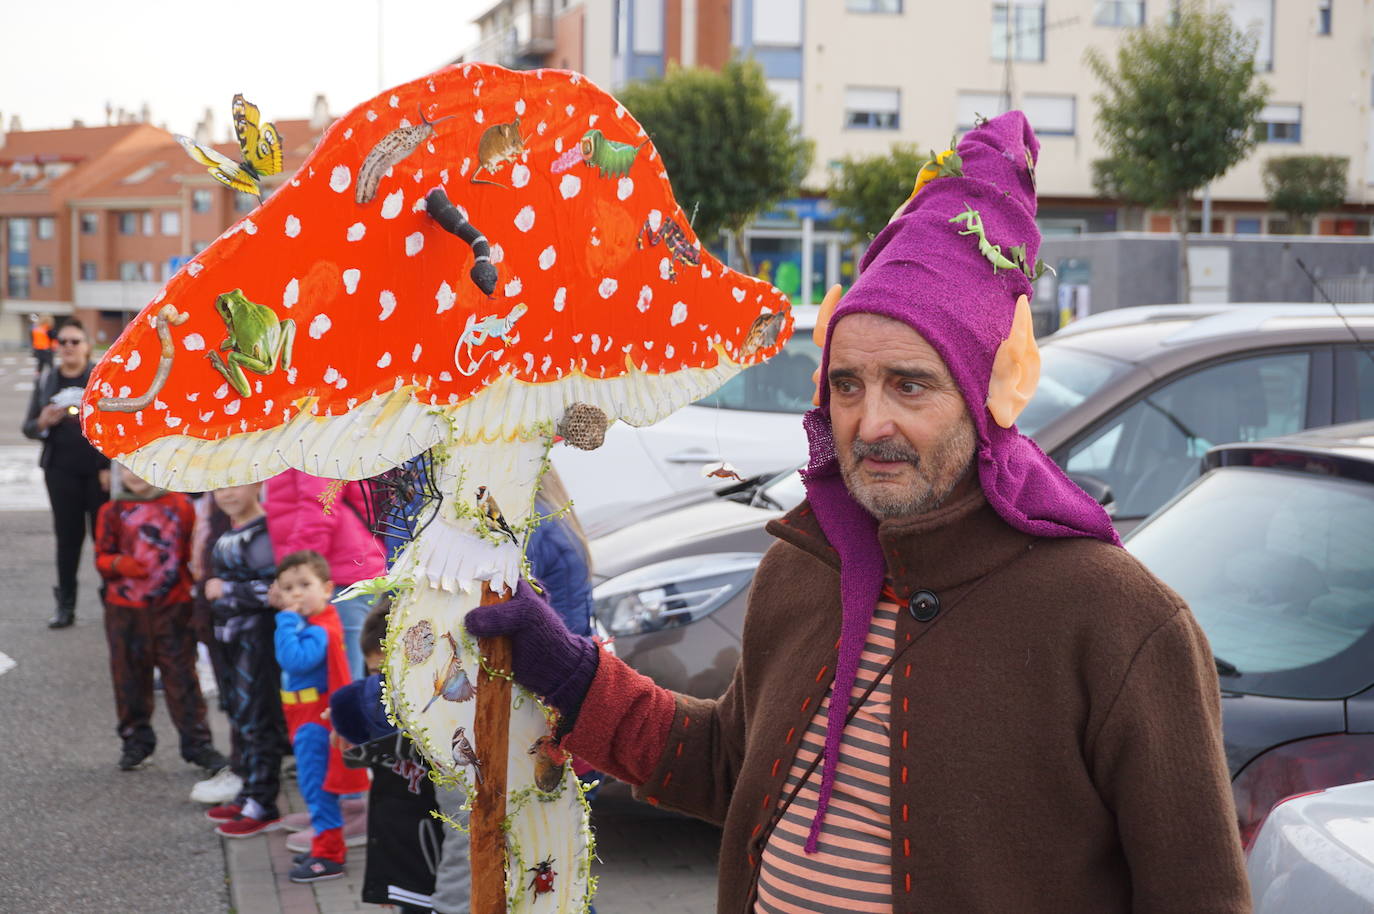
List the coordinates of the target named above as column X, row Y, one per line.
column 391, row 206
column 519, row 175
column 624, row 188
column 591, row 121
column 498, row 253
column 293, row 227
column 665, row 268
column 519, row 106
column 655, row 220
column 418, row 206
column 679, row 314
column 445, row 297
column 388, row 302
column 394, row 101
column 547, row 257
column 340, row 178
column 291, row 294
column 569, row 186
column 569, row 110
column 356, row 231
column 479, row 115
column 646, row 295
column 596, row 343
column 607, row 287
column 415, row 353
column 232, row 407
column 513, row 287
column 194, row 268
column 319, row 326
column 543, row 126
column 221, row 392
column 350, row 280
column 348, row 134
column 371, row 115
column 291, row 375
column 135, row 360
column 524, row 220
column 385, row 360
column 172, row 421
column 415, row 242
column 560, row 298
column 331, row 374
column 193, row 342
column 124, row 390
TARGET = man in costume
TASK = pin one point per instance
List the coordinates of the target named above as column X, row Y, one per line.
column 1032, row 719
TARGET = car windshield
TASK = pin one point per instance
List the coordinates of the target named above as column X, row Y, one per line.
column 781, row 385
column 1067, row 377
column 783, row 492
column 1278, row 569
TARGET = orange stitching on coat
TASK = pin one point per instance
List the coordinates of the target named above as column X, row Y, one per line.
column 667, row 779
column 903, row 739
column 687, row 721
column 652, row 801
column 908, row 882
column 906, row 847
column 806, row 704
column 906, row 704
column 752, row 861
column 906, row 810
column 766, row 798
column 757, row 828
column 776, row 763
column 907, row 674
column 679, row 750
column 821, row 673
column 903, row 774
column 789, row 735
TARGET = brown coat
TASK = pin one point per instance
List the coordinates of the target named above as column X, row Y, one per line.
column 1056, row 728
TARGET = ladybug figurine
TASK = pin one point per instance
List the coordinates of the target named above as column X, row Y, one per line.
column 542, row 882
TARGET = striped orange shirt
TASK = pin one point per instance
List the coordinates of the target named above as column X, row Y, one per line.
column 852, row 868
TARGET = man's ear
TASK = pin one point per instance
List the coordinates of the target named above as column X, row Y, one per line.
column 1015, row 370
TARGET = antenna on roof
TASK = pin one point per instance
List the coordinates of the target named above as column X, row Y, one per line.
column 1316, row 284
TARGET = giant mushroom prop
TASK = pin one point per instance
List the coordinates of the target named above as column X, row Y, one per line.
column 467, row 264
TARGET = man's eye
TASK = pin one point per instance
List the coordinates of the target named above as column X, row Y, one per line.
column 911, row 387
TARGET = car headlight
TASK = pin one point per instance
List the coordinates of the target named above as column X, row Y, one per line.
column 672, row 594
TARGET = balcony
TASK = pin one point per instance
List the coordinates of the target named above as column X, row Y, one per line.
column 520, row 39
column 115, row 295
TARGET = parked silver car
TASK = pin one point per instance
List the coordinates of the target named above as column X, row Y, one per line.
column 1128, row 404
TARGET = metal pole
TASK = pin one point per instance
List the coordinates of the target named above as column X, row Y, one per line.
column 1207, row 209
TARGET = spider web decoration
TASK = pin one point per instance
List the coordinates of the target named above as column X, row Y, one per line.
column 401, row 502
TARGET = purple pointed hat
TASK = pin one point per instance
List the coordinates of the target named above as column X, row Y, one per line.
column 951, row 266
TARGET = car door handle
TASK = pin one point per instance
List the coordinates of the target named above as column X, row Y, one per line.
column 692, row 457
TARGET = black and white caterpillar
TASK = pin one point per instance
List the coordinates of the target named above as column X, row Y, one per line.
column 451, row 220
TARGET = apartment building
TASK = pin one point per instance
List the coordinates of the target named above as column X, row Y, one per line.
column 93, row 220
column 860, row 75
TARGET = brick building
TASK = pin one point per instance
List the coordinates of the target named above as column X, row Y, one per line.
column 93, row 220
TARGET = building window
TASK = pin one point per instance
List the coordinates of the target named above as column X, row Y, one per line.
column 89, row 271
column 873, row 109
column 1247, row 225
column 43, row 276
column 1119, row 13
column 198, row 246
column 1256, row 18
column 148, row 224
column 788, row 93
column 18, row 282
column 18, row 238
column 171, row 222
column 1279, row 124
column 47, row 227
column 201, row 201
column 874, row 6
column 244, row 203
column 778, row 22
column 146, row 271
column 90, row 223
column 1024, row 38
column 128, row 271
column 648, row 27
column 1324, row 17
column 1051, row 115
column 976, row 106
column 128, row 223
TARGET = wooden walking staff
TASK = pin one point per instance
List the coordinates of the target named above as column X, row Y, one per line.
column 486, row 837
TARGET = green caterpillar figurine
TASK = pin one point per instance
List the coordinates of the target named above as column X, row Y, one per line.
column 612, row 158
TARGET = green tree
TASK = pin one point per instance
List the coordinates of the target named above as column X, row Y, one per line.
column 729, row 145
column 1303, row 186
column 1177, row 110
column 866, row 190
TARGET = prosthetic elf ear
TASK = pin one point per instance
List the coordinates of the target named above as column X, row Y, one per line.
column 828, row 305
column 1015, row 369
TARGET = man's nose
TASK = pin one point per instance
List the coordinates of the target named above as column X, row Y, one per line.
column 875, row 421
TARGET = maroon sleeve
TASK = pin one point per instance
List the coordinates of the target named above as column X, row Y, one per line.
column 107, row 539
column 623, row 724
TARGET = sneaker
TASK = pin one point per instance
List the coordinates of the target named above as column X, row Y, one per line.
column 247, row 826
column 223, row 787
column 316, row 869
column 354, row 829
column 133, row 755
column 225, row 812
column 299, row 858
column 209, row 758
column 300, row 841
column 297, row 821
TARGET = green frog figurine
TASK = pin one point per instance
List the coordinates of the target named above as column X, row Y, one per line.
column 256, row 341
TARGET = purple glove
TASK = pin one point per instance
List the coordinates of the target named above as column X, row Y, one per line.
column 548, row 659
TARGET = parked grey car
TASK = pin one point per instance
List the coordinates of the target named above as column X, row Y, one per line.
column 1128, row 403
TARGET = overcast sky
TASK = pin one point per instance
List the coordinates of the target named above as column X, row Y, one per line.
column 65, row 59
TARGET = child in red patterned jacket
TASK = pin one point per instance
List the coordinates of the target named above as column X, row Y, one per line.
column 142, row 543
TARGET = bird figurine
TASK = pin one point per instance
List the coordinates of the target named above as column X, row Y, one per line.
column 548, row 763
column 452, row 684
column 464, row 754
column 492, row 516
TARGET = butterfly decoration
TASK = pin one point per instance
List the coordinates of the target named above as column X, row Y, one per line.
column 260, row 144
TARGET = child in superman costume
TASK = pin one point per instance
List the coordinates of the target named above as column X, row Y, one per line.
column 310, row 650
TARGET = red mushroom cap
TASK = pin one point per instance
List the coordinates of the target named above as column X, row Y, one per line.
column 603, row 294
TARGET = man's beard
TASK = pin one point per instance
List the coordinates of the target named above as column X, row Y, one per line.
column 937, row 473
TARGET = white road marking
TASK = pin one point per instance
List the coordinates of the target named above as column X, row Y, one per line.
column 7, row 663
column 21, row 481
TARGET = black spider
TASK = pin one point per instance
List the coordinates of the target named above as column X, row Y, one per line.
column 403, row 501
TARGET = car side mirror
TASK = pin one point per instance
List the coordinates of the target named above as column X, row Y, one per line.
column 1100, row 491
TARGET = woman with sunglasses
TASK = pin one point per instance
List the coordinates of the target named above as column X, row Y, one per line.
column 77, row 475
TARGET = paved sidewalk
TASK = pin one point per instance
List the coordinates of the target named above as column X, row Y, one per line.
column 650, row 862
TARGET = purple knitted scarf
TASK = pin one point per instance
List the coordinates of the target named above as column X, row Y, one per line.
column 920, row 270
